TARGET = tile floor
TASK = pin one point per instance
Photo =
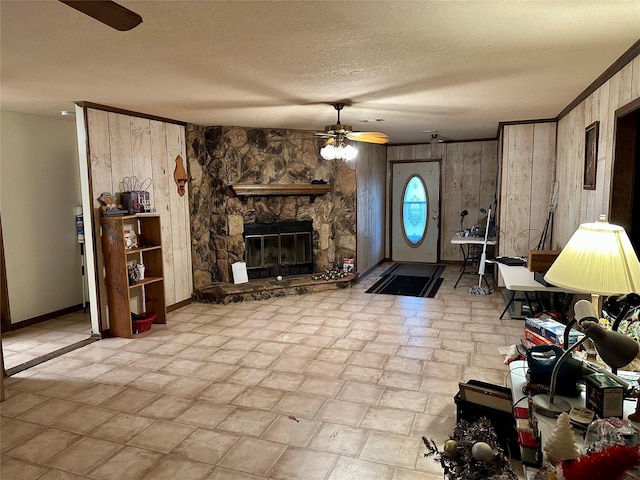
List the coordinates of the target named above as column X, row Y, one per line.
column 29, row 343
column 337, row 385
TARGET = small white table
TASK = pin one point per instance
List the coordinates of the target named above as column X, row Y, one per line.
column 470, row 254
column 520, row 279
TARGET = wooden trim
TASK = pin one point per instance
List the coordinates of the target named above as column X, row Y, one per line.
column 628, row 108
column 131, row 113
column 47, row 316
column 470, row 140
column 501, row 125
column 614, row 68
column 5, row 313
column 178, row 305
column 244, row 190
column 48, row 356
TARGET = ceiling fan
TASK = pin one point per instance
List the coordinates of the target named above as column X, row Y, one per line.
column 108, row 12
column 435, row 137
column 339, row 131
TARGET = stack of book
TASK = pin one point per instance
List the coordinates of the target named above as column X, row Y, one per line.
column 547, row 331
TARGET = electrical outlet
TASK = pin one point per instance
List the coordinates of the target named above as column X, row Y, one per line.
column 513, row 199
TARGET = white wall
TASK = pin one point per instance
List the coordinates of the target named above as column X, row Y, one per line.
column 39, row 191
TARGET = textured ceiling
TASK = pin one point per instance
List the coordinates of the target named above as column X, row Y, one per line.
column 458, row 67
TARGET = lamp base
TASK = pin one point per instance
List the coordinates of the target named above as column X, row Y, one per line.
column 544, row 407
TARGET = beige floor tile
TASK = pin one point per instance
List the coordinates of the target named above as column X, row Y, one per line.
column 167, row 407
column 339, row 439
column 440, row 405
column 355, row 373
column 257, row 360
column 222, row 393
column 122, row 427
column 258, row 397
column 20, row 403
column 321, row 386
column 400, row 380
column 248, row 376
column 162, row 436
column 186, row 387
column 206, row 446
column 319, row 341
column 153, row 381
column 131, row 400
column 205, row 414
column 82, row 457
column 291, row 430
column 291, row 364
column 17, row 469
column 252, row 455
column 404, row 400
column 214, row 371
column 14, row 432
column 172, row 468
column 301, row 464
column 294, row 373
column 283, row 381
column 388, row 420
column 396, row 450
column 298, row 404
column 320, row 368
column 343, row 413
column 361, row 393
column 84, row 419
column 225, row 474
column 405, row 474
column 244, row 421
column 272, row 348
column 44, row 445
column 130, row 462
column 98, row 394
column 48, row 412
column 354, row 469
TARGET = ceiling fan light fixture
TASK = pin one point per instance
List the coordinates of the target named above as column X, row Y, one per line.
column 339, row 151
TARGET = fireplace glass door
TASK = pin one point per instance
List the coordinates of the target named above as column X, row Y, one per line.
column 278, row 249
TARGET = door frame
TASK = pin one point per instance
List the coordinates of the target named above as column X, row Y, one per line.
column 391, row 163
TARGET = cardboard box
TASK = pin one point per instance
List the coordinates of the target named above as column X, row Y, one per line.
column 348, row 265
column 605, row 396
column 536, row 338
column 552, row 330
column 541, row 260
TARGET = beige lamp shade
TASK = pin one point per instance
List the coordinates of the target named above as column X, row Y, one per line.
column 598, row 259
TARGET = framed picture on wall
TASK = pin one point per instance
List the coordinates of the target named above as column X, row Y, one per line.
column 590, row 156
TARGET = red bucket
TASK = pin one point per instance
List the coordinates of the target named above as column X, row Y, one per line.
column 141, row 322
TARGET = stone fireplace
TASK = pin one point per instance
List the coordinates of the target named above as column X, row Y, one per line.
column 241, row 177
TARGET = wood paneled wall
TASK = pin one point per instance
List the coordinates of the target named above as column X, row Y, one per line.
column 576, row 205
column 124, row 146
column 371, row 203
column 468, row 181
column 527, row 174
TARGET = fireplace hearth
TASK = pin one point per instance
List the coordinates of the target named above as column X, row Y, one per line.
column 278, row 249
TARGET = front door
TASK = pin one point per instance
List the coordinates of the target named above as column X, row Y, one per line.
column 415, row 212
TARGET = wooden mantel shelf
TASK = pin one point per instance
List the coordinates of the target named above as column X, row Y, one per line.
column 280, row 189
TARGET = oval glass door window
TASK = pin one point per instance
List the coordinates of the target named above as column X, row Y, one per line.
column 414, row 211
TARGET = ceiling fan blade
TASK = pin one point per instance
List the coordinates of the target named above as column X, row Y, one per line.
column 108, row 12
column 368, row 137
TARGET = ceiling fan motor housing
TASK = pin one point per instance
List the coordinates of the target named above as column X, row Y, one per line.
column 338, row 128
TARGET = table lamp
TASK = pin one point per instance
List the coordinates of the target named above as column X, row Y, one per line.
column 615, row 349
column 598, row 259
